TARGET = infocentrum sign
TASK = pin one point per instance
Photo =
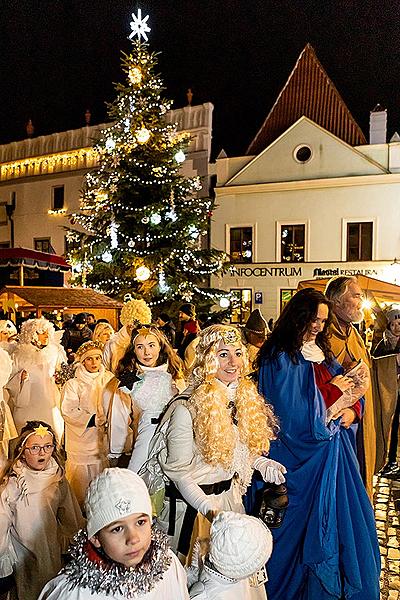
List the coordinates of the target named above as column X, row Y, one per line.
column 266, row 271
column 306, row 270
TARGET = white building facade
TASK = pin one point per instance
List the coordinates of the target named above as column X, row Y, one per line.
column 309, row 205
column 41, row 178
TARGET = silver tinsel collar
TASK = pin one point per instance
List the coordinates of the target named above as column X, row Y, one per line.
column 102, row 576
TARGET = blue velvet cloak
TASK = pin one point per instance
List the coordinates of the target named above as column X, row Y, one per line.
column 326, row 548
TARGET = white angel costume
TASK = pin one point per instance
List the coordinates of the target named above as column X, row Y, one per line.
column 85, row 437
column 38, row 517
column 150, row 396
column 37, row 397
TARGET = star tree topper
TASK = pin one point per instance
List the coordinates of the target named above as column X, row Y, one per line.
column 139, row 26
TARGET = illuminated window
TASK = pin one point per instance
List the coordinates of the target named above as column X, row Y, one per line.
column 241, row 244
column 43, row 245
column 359, row 241
column 241, row 305
column 292, row 243
column 70, row 245
column 57, row 197
column 285, row 296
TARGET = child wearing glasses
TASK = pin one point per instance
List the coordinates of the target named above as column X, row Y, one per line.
column 38, row 512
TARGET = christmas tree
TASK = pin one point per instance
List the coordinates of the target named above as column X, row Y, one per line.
column 143, row 221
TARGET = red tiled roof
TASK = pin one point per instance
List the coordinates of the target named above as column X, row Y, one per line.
column 308, row 92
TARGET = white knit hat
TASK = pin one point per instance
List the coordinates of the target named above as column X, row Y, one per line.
column 115, row 494
column 240, row 545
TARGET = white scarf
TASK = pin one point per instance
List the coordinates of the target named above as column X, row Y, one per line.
column 30, row 481
column 312, row 352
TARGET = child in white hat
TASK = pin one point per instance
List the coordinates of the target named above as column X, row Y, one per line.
column 234, row 567
column 82, row 410
column 120, row 555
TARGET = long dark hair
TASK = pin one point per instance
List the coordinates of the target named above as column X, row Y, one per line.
column 289, row 330
column 129, row 361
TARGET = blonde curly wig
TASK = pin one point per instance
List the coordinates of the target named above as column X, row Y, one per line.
column 213, row 426
column 135, row 312
column 30, row 329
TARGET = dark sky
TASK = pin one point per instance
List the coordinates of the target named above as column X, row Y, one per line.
column 59, row 57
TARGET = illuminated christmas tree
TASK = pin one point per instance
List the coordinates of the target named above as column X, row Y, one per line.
column 143, row 221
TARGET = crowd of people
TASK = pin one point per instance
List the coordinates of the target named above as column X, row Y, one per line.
column 130, row 459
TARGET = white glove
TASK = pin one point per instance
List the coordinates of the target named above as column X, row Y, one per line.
column 271, row 471
column 195, row 496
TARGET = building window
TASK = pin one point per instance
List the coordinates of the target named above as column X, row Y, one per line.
column 292, row 243
column 302, row 154
column 4, row 245
column 241, row 305
column 70, row 245
column 285, row 296
column 241, row 244
column 57, row 197
column 359, row 241
column 43, row 245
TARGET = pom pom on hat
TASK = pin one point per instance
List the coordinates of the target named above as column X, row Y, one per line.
column 116, row 493
column 240, row 545
column 135, row 312
column 90, row 348
column 256, row 323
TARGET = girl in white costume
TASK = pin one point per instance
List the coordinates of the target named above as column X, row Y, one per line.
column 33, row 392
column 133, row 313
column 151, row 371
column 102, row 333
column 82, row 410
column 38, row 512
column 8, row 334
column 215, row 439
column 119, row 556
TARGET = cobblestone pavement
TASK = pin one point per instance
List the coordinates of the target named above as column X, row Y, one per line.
column 387, row 515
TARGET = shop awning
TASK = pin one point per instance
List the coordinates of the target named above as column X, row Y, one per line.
column 32, row 259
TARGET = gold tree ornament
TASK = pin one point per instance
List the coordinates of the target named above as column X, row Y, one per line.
column 143, row 273
column 135, row 75
column 142, row 135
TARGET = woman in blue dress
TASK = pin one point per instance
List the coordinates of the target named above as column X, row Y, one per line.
column 326, row 547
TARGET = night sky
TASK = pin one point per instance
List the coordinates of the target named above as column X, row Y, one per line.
column 58, row 58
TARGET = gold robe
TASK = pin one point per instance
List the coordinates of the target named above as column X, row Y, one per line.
column 352, row 344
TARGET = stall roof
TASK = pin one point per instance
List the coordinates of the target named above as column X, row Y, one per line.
column 61, row 297
column 382, row 291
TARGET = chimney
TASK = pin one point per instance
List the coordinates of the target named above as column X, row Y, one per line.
column 30, row 130
column 377, row 125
